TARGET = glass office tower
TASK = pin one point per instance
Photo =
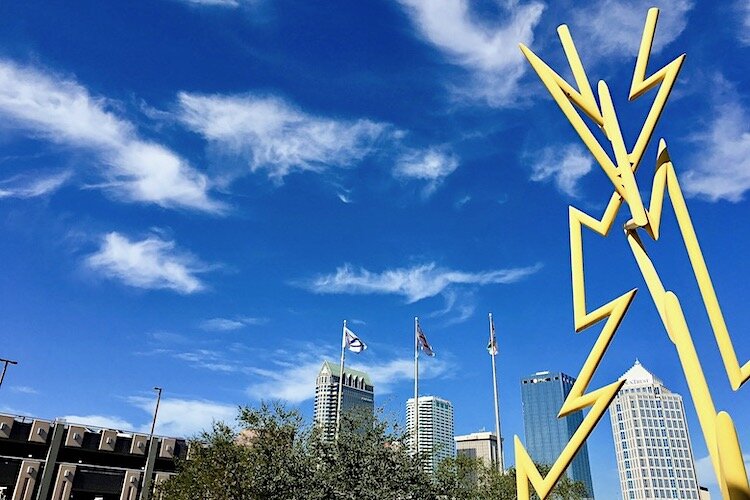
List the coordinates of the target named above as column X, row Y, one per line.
column 542, row 395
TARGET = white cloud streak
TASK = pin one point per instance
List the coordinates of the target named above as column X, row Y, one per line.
column 103, row 421
column 564, row 165
column 431, row 165
column 24, row 186
column 293, row 380
column 213, row 3
column 705, row 470
column 151, row 263
column 414, row 283
column 276, row 137
column 611, row 27
column 743, row 6
column 489, row 52
column 721, row 167
column 63, row 112
column 24, row 389
column 230, row 324
column 184, row 417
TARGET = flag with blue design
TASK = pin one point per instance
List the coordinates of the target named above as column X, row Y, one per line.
column 353, row 342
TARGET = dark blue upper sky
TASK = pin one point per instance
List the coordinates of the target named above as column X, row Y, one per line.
column 195, row 193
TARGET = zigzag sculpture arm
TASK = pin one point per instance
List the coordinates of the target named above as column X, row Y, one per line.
column 718, row 430
column 599, row 399
column 665, row 181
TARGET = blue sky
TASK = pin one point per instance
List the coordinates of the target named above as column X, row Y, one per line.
column 194, row 194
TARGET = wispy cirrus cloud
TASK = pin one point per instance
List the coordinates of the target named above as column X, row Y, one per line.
column 743, row 7
column 276, row 137
column 63, row 112
column 489, row 51
column 214, row 3
column 27, row 186
column 292, row 376
column 610, row 27
column 103, row 421
column 151, row 263
column 720, row 168
column 24, row 389
column 230, row 324
column 178, row 417
column 705, row 469
column 413, row 283
column 431, row 165
column 564, row 165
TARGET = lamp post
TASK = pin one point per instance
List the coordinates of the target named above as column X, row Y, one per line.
column 156, row 411
column 151, row 457
column 5, row 362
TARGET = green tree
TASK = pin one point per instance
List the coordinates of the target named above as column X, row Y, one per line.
column 273, row 456
column 266, row 459
column 460, row 478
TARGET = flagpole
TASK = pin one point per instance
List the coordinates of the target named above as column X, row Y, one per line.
column 341, row 381
column 493, row 340
column 416, row 387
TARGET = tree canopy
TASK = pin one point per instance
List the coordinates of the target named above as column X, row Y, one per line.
column 272, row 454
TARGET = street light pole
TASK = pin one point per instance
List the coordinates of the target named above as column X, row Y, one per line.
column 156, row 411
column 151, row 457
column 5, row 362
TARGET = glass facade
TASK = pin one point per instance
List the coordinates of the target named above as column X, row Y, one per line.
column 358, row 394
column 542, row 395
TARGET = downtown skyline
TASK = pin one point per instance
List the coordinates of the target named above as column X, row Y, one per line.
column 194, row 195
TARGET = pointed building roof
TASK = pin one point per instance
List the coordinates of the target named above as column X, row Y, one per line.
column 335, row 369
column 638, row 375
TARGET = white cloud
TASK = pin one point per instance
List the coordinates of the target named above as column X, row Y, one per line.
column 565, row 165
column 274, row 136
column 24, row 389
column 150, row 263
column 743, row 6
column 208, row 360
column 414, row 283
column 184, row 417
column 214, row 3
column 721, row 167
column 705, row 470
column 293, row 380
column 431, row 165
column 488, row 50
column 612, row 27
column 62, row 111
column 227, row 324
column 24, row 186
column 104, row 421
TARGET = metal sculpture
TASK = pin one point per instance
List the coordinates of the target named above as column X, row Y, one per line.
column 718, row 428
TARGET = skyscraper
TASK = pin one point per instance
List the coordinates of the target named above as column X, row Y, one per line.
column 652, row 442
column 358, row 394
column 546, row 435
column 482, row 445
column 435, row 429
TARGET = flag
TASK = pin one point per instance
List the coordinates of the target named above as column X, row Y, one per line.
column 492, row 346
column 353, row 342
column 423, row 342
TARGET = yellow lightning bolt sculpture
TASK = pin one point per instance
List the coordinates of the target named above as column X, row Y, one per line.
column 718, row 428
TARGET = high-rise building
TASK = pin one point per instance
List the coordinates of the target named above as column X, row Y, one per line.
column 358, row 394
column 652, row 442
column 482, row 445
column 546, row 435
column 435, row 429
